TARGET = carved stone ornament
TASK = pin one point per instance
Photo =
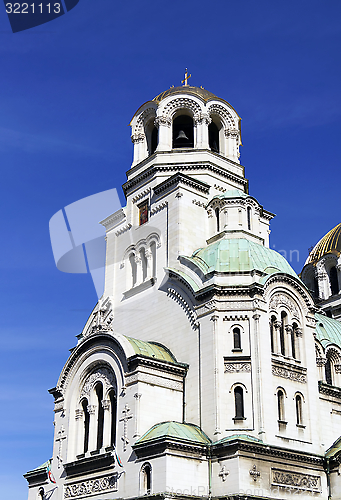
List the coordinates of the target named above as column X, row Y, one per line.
column 232, row 367
column 163, row 120
column 295, row 376
column 223, row 473
column 91, row 487
column 103, row 375
column 91, row 409
column 337, row 368
column 135, row 138
column 321, row 361
column 295, row 480
column 254, row 473
column 279, row 299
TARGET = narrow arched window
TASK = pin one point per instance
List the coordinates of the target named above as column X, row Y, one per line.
column 133, row 268
column 272, row 333
column 217, row 219
column 293, row 340
column 316, row 288
column 334, row 283
column 280, row 405
column 183, row 136
column 144, row 263
column 239, row 403
column 113, row 408
column 153, row 252
column 154, row 140
column 282, row 332
column 248, row 218
column 100, row 416
column 213, row 137
column 146, row 479
column 86, row 425
column 328, row 372
column 298, row 401
column 236, row 339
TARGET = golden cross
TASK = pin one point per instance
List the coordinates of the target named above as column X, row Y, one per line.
column 186, row 78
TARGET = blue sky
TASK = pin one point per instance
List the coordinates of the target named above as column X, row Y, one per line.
column 68, row 91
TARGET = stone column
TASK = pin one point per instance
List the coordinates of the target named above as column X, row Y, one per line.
column 338, row 269
column 299, row 334
column 215, row 318
column 149, row 259
column 79, row 435
column 137, row 397
column 231, row 138
column 258, row 380
column 323, row 284
column 288, row 345
column 138, row 262
column 93, row 412
column 165, row 134
column 277, row 337
column 138, row 141
column 202, row 121
column 106, row 422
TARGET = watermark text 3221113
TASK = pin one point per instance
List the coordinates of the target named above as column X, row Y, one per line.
column 25, row 15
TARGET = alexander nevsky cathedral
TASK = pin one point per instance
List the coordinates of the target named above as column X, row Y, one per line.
column 208, row 368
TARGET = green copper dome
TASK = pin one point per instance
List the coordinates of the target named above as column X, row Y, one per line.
column 239, row 255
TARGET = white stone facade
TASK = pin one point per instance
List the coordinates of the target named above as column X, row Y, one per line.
column 202, row 326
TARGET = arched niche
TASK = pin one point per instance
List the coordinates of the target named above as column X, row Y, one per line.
column 183, row 130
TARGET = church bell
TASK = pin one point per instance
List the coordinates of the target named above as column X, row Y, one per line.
column 181, row 136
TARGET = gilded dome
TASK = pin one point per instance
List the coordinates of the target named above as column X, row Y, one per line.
column 330, row 243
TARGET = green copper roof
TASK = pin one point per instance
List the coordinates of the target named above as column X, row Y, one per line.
column 334, row 449
column 243, row 437
column 184, row 432
column 239, row 255
column 328, row 330
column 232, row 193
column 151, row 350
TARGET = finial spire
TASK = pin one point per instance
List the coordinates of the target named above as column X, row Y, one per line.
column 186, row 78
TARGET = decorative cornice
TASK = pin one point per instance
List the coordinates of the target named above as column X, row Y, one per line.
column 123, row 229
column 329, row 390
column 141, row 195
column 149, row 172
column 184, row 179
column 287, row 370
column 158, row 208
column 86, row 465
column 94, row 486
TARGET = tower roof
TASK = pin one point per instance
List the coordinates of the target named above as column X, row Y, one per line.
column 330, row 243
column 186, row 89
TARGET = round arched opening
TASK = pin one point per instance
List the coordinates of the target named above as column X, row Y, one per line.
column 183, row 136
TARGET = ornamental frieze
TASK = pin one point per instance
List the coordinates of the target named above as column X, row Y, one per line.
column 289, row 373
column 232, row 367
column 83, row 489
column 296, row 480
column 279, row 300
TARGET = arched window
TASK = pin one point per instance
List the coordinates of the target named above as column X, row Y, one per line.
column 183, row 136
column 144, row 263
column 133, row 268
column 217, row 219
column 293, row 340
column 154, row 140
column 328, row 371
column 100, row 416
column 248, row 218
column 239, row 403
column 236, row 338
column 86, row 425
column 299, row 415
column 113, row 408
column 272, row 333
column 316, row 288
column 282, row 331
column 280, row 405
column 334, row 283
column 153, row 252
column 146, row 479
column 213, row 137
